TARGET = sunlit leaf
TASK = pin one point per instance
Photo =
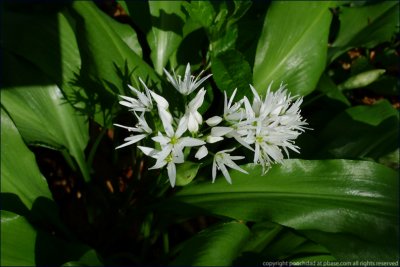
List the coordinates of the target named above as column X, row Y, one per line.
column 215, row 246
column 102, row 49
column 27, row 182
column 42, row 114
column 293, row 45
column 336, row 196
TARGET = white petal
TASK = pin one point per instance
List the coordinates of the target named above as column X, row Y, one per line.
column 198, row 117
column 161, row 139
column 213, row 139
column 213, row 121
column 171, row 79
column 201, row 153
column 132, row 139
column 255, row 93
column 131, row 129
column 148, row 151
column 214, row 170
column 159, row 164
column 225, row 173
column 198, row 100
column 182, row 127
column 198, row 83
column 166, row 120
column 161, row 101
column 233, row 165
column 190, row 142
column 220, row 130
column 171, row 173
column 193, row 126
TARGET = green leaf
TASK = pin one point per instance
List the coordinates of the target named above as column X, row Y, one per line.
column 335, row 196
column 42, row 115
column 166, row 32
column 365, row 26
column 24, row 245
column 26, row 182
column 103, row 51
column 361, row 131
column 292, row 47
column 231, row 71
column 218, row 245
column 17, row 240
column 347, row 247
column 362, row 79
column 329, row 88
column 186, row 172
column 46, row 39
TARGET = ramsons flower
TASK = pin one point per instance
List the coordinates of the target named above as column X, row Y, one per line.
column 189, row 82
column 172, row 145
column 142, row 103
column 141, row 127
column 266, row 124
column 193, row 117
column 223, row 159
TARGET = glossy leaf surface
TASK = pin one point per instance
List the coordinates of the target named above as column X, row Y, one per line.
column 293, row 45
column 42, row 114
column 215, row 246
column 336, row 196
column 27, row 183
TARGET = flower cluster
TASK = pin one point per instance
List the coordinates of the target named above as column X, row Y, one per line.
column 267, row 126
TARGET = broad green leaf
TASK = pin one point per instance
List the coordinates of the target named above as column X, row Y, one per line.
column 277, row 243
column 361, row 131
column 47, row 41
column 218, row 245
column 231, row 71
column 328, row 87
column 362, row 79
column 26, row 182
column 186, row 172
column 365, row 26
column 90, row 258
column 293, row 45
column 166, row 32
column 42, row 114
column 335, row 196
column 24, row 245
column 17, row 240
column 103, row 51
column 346, row 247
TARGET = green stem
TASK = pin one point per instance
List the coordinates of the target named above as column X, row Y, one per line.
column 69, row 159
column 95, row 146
column 166, row 243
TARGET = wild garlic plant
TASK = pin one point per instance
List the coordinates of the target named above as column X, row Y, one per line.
column 267, row 126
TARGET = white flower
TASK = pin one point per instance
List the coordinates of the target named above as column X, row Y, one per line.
column 172, row 145
column 193, row 117
column 214, row 121
column 164, row 157
column 233, row 111
column 272, row 125
column 189, row 83
column 143, row 103
column 221, row 159
column 201, row 153
column 141, row 127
